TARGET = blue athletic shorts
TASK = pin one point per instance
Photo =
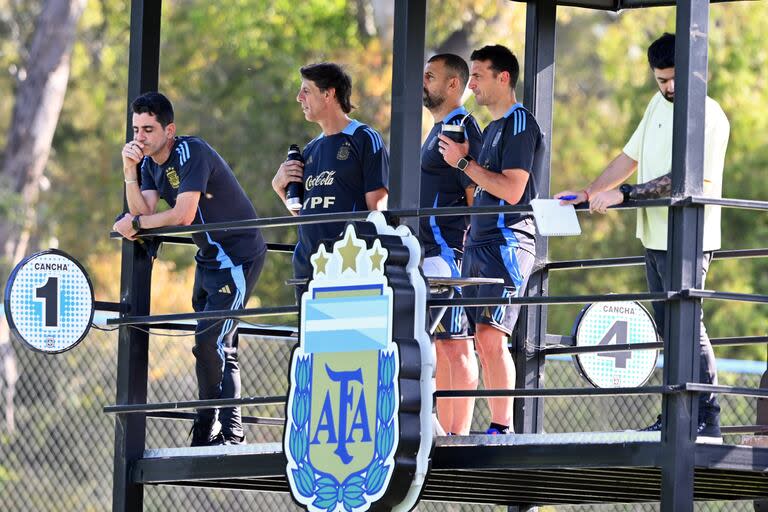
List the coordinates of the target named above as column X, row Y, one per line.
column 514, row 265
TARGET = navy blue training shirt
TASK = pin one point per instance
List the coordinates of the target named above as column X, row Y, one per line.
column 194, row 166
column 445, row 186
column 512, row 142
column 339, row 170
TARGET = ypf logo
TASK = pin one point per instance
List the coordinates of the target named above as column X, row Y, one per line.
column 341, row 418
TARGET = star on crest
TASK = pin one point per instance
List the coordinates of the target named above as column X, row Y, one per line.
column 377, row 255
column 348, row 249
column 320, row 260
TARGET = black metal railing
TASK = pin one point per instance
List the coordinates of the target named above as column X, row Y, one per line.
column 553, row 344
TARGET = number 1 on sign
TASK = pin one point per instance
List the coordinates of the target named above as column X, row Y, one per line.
column 618, row 330
column 49, row 293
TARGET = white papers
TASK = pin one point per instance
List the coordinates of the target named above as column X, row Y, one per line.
column 553, row 219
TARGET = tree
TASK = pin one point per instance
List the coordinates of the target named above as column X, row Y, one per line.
column 39, row 98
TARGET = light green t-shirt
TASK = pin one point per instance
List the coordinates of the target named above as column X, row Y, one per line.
column 651, row 147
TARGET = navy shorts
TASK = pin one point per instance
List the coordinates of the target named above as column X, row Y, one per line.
column 511, row 263
column 453, row 321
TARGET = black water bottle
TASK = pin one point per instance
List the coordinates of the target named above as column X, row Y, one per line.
column 294, row 192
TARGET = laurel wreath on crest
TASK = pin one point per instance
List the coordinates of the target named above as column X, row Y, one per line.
column 369, row 481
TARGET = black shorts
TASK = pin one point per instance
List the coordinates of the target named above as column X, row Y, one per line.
column 511, row 263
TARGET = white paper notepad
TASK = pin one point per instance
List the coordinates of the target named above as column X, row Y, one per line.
column 553, row 219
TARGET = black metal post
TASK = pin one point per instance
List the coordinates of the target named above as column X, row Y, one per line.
column 539, row 75
column 144, row 52
column 405, row 131
column 538, row 87
column 135, row 281
column 681, row 336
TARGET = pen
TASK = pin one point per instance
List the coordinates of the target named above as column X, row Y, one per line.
column 567, row 198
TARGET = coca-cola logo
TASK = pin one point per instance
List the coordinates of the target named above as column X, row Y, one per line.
column 323, row 179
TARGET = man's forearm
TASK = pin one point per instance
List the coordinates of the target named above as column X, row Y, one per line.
column 163, row 219
column 614, row 174
column 136, row 203
column 501, row 185
column 654, row 189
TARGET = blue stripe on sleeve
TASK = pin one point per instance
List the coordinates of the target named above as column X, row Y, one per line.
column 376, row 141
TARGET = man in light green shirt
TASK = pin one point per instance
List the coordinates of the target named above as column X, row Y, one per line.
column 651, row 147
column 649, row 150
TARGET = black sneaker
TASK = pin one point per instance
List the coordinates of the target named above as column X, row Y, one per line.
column 656, row 427
column 709, row 432
column 203, row 435
column 706, row 432
column 231, row 439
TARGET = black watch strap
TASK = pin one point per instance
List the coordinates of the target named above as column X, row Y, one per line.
column 625, row 190
column 463, row 163
column 136, row 223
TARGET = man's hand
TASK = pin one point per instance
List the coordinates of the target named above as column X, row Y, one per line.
column 133, row 154
column 581, row 197
column 452, row 151
column 124, row 226
column 602, row 200
column 289, row 171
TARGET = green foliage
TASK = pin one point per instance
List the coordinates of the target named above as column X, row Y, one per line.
column 232, row 74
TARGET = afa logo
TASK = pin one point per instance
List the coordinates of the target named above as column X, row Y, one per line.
column 173, row 177
column 343, row 152
column 354, row 416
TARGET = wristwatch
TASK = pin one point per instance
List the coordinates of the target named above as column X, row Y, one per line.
column 625, row 190
column 463, row 163
column 136, row 223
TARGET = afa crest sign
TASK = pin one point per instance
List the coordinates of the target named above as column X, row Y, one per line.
column 358, row 433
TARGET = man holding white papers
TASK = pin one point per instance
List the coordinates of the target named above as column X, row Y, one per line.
column 499, row 245
column 649, row 150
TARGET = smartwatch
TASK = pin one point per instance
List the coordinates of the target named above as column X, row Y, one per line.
column 136, row 223
column 625, row 190
column 463, row 163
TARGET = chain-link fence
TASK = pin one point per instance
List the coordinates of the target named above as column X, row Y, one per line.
column 59, row 455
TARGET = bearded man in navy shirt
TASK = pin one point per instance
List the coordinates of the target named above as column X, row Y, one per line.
column 445, row 79
column 200, row 188
column 346, row 167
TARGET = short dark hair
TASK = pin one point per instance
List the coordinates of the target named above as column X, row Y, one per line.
column 329, row 75
column 502, row 59
column 155, row 104
column 455, row 64
column 661, row 53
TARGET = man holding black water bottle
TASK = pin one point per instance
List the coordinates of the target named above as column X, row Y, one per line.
column 499, row 245
column 344, row 169
column 445, row 79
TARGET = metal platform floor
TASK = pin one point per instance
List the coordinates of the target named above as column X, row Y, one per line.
column 538, row 469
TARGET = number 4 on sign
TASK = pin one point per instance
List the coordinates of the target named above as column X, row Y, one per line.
column 619, row 331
